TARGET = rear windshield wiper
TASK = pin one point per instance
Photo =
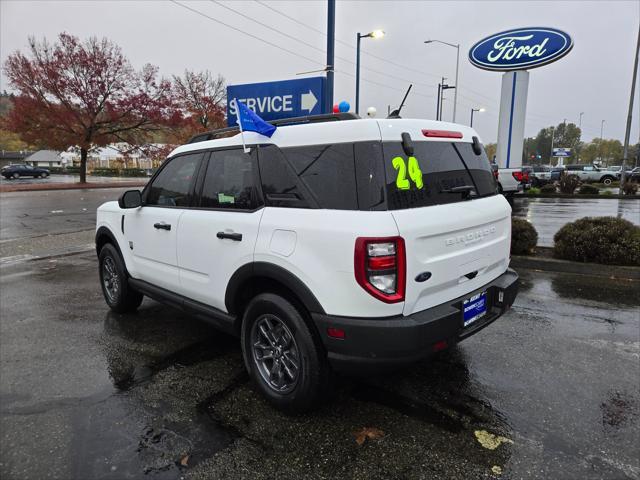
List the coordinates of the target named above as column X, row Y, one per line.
column 461, row 189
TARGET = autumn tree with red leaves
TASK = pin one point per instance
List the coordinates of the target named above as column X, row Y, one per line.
column 86, row 94
column 202, row 100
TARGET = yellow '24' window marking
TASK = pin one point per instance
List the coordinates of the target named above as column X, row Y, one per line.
column 415, row 174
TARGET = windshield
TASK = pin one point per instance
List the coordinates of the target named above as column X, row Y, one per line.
column 437, row 173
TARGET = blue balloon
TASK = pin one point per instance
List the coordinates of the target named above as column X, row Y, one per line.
column 344, row 106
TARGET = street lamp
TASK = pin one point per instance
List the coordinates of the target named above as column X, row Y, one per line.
column 457, row 47
column 600, row 146
column 374, row 34
column 480, row 110
column 580, row 120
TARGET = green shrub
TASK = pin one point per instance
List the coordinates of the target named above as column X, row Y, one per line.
column 524, row 237
column 607, row 240
column 607, row 192
column 105, row 172
column 630, row 188
column 534, row 190
column 548, row 188
column 55, row 170
column 588, row 190
column 133, row 172
column 568, row 183
column 71, row 170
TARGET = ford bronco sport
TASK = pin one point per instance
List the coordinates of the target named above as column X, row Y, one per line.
column 337, row 244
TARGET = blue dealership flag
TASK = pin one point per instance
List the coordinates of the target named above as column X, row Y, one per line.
column 248, row 121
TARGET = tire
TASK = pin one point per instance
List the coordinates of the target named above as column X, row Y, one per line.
column 120, row 297
column 607, row 180
column 15, row 176
column 290, row 340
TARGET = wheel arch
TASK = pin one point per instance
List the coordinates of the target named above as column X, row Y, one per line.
column 104, row 236
column 257, row 277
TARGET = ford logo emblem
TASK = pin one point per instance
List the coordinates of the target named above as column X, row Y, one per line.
column 520, row 49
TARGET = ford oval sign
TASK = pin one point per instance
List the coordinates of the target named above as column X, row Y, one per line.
column 520, row 49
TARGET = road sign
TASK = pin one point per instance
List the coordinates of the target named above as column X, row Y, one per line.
column 561, row 152
column 275, row 100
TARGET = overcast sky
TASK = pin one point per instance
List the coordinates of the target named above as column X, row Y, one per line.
column 594, row 78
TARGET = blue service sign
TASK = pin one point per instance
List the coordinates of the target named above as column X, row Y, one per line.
column 520, row 49
column 561, row 152
column 276, row 100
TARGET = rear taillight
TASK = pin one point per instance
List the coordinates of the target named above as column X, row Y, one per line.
column 520, row 176
column 380, row 267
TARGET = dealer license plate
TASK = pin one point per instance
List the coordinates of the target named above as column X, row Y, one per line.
column 474, row 308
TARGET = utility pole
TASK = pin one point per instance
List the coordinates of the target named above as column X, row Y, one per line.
column 438, row 102
column 331, row 40
column 625, row 153
column 580, row 121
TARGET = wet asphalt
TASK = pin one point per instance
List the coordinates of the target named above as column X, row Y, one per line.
column 550, row 390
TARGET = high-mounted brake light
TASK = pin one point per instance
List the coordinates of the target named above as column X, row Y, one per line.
column 380, row 267
column 441, row 134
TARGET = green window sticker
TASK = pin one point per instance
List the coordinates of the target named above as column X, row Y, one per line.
column 401, row 180
column 222, row 198
column 415, row 174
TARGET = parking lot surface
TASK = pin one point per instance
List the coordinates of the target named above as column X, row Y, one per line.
column 551, row 390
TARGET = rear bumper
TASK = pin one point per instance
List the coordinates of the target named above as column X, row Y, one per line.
column 372, row 345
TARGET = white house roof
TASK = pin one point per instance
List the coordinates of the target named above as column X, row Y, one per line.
column 44, row 156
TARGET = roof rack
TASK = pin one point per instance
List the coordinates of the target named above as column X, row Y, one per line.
column 226, row 132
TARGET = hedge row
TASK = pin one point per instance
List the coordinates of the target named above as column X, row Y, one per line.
column 605, row 240
column 119, row 172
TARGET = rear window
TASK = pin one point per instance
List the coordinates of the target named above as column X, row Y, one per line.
column 424, row 178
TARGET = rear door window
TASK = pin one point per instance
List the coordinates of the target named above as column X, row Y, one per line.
column 424, row 179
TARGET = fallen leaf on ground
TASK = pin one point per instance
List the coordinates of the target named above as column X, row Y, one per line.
column 184, row 460
column 489, row 440
column 496, row 470
column 368, row 432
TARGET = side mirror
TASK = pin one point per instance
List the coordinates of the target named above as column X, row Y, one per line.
column 130, row 199
column 407, row 144
column 476, row 146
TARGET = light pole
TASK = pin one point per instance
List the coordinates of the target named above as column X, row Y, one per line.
column 551, row 152
column 475, row 110
column 374, row 34
column 625, row 151
column 580, row 121
column 455, row 95
column 600, row 144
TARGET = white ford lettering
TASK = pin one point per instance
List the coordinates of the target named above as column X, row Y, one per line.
column 506, row 49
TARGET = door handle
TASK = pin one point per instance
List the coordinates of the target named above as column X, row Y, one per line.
column 231, row 236
column 162, row 226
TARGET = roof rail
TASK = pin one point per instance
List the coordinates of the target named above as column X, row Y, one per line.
column 325, row 117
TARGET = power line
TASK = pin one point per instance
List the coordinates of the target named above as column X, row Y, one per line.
column 342, row 42
column 282, row 48
column 247, row 33
column 291, row 37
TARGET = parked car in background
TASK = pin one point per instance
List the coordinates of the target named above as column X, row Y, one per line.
column 592, row 174
column 633, row 175
column 13, row 172
column 512, row 180
column 539, row 174
column 555, row 174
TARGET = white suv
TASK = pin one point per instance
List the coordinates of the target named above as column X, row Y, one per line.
column 333, row 245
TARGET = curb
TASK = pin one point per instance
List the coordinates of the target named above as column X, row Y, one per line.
column 57, row 254
column 31, row 187
column 566, row 266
